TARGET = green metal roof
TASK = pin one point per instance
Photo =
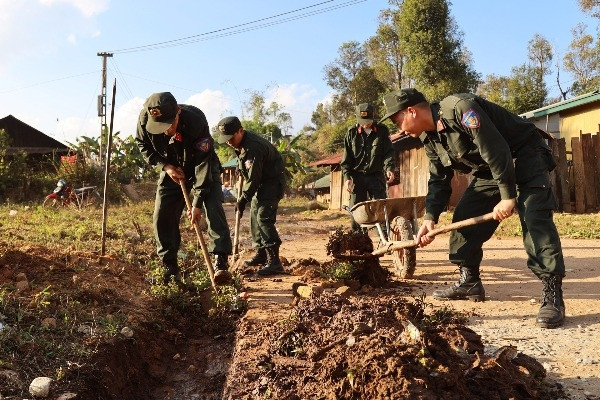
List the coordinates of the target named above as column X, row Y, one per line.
column 231, row 163
column 563, row 105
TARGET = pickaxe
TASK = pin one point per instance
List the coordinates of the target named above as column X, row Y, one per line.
column 209, row 266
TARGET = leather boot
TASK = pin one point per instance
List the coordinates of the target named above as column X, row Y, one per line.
column 221, row 265
column 552, row 311
column 273, row 265
column 260, row 258
column 171, row 270
column 468, row 287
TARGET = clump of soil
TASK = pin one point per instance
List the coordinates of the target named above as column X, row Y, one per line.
column 381, row 347
column 345, row 242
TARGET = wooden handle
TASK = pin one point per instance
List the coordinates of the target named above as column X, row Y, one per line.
column 209, row 266
column 391, row 246
column 236, row 231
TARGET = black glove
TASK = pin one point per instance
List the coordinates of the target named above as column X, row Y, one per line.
column 241, row 205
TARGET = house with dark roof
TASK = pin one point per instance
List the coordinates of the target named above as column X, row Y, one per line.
column 29, row 140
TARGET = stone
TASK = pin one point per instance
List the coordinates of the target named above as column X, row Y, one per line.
column 40, row 386
column 21, row 277
column 127, row 332
column 22, row 286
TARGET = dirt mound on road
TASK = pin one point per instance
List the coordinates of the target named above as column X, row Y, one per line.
column 377, row 347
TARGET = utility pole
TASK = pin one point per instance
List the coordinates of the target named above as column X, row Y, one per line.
column 102, row 102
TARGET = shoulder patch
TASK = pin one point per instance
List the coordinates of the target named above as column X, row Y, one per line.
column 203, row 145
column 470, row 119
column 248, row 164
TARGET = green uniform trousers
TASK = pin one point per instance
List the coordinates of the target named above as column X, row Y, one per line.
column 535, row 205
column 168, row 207
column 263, row 215
column 367, row 187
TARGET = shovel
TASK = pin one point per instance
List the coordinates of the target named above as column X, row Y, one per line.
column 209, row 266
column 236, row 231
column 392, row 246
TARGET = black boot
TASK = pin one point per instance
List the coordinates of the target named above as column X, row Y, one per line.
column 171, row 270
column 552, row 311
column 260, row 258
column 273, row 265
column 221, row 265
column 469, row 287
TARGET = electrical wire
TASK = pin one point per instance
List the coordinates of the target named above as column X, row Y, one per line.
column 235, row 30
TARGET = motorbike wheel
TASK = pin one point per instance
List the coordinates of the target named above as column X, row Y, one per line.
column 405, row 260
column 51, row 202
column 91, row 199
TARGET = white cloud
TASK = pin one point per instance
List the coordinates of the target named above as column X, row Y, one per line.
column 299, row 100
column 88, row 8
column 126, row 117
column 213, row 103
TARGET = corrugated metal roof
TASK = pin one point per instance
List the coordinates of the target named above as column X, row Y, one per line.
column 331, row 160
column 563, row 105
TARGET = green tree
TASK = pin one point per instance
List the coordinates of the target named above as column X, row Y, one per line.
column 583, row 61
column 436, row 60
column 385, row 53
column 591, row 7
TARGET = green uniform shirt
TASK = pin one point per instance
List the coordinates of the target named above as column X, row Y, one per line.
column 262, row 167
column 474, row 135
column 367, row 153
column 192, row 150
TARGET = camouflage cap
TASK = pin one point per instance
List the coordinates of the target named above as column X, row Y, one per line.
column 228, row 126
column 399, row 100
column 365, row 113
column 162, row 110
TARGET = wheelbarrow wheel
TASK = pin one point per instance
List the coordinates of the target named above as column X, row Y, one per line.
column 405, row 260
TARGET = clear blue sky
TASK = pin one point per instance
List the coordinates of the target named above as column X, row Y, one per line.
column 50, row 74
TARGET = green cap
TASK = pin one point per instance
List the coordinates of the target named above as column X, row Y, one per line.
column 365, row 113
column 162, row 110
column 228, row 126
column 398, row 100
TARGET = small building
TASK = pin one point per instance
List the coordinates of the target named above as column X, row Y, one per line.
column 320, row 189
column 29, row 140
column 412, row 174
column 229, row 175
column 569, row 118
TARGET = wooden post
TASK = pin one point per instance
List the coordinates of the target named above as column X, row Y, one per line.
column 589, row 165
column 579, row 175
column 596, row 141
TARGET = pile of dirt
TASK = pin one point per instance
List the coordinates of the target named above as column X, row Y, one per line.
column 62, row 315
column 377, row 347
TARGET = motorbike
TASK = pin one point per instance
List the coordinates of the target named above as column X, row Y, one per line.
column 64, row 196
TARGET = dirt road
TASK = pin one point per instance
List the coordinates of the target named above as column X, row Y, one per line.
column 570, row 354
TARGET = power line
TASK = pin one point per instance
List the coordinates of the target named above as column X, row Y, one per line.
column 49, row 81
column 234, row 30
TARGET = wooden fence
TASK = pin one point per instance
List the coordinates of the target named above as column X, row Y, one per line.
column 576, row 181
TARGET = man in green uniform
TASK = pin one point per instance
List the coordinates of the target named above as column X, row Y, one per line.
column 368, row 152
column 262, row 167
column 510, row 161
column 176, row 139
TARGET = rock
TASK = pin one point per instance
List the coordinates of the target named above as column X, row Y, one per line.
column 12, row 213
column 306, row 291
column 344, row 291
column 127, row 332
column 22, row 286
column 49, row 322
column 40, row 386
column 21, row 277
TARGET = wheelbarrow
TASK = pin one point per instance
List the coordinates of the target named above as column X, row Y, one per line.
column 396, row 220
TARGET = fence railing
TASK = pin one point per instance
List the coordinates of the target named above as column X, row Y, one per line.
column 576, row 179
